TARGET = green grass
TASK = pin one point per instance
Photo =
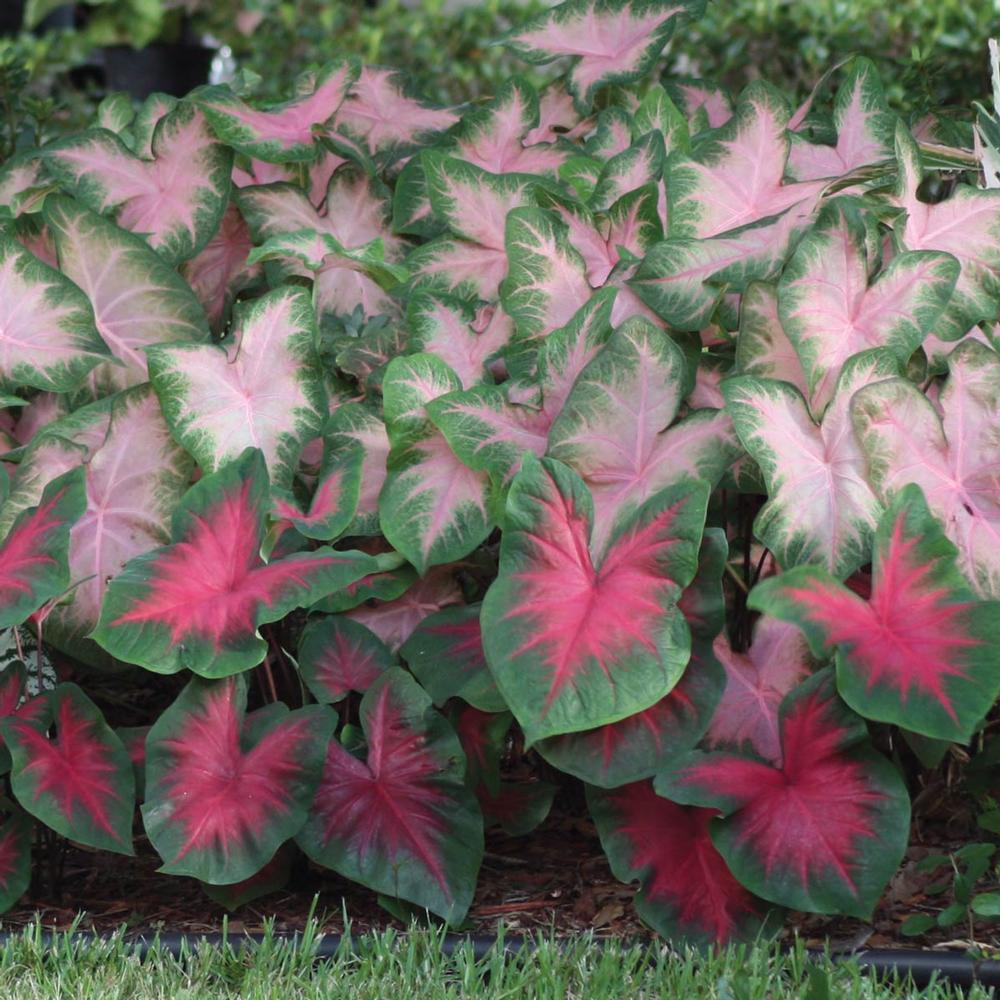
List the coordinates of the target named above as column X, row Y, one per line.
column 412, row 965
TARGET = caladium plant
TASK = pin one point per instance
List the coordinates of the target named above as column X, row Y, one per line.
column 456, row 452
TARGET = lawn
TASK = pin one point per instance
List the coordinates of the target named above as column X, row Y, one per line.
column 412, row 965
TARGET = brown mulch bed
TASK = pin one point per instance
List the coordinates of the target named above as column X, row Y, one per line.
column 556, row 879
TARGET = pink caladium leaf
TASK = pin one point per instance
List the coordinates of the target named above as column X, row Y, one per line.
column 609, row 41
column 264, row 389
column 221, row 270
column 15, row 858
column 865, row 129
column 175, row 198
column 137, row 298
column 613, row 429
column 468, row 343
column 474, row 206
column 830, row 311
column 286, row 132
column 34, row 555
column 546, row 281
column 71, row 772
column 950, row 454
column 338, row 655
column 220, row 799
column 735, row 176
column 381, row 113
column 197, row 602
column 334, row 500
column 397, row 611
column 822, row 831
column 487, row 431
column 746, row 717
column 355, row 423
column 575, row 638
column 762, row 347
column 639, row 165
column 48, row 339
column 59, row 446
column 637, row 747
column 445, row 653
column 821, row 507
column 683, row 279
column 686, row 891
column 24, row 184
column 354, row 214
column 134, row 479
column 705, row 104
column 402, row 821
column 921, row 651
column 433, row 508
column 496, row 137
column 965, row 225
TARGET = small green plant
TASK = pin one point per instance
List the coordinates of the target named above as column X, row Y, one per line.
column 963, row 870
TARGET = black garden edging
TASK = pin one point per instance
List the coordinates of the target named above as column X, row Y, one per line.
column 921, row 966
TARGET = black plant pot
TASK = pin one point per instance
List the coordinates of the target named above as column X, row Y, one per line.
column 158, row 68
column 12, row 18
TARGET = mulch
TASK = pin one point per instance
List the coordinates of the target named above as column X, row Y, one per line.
column 555, row 879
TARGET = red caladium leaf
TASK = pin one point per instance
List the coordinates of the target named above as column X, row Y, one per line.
column 271, row 878
column 613, row 428
column 965, row 225
column 865, row 128
column 401, row 822
column 756, row 683
column 13, row 684
column 264, row 389
column 821, row 509
column 637, row 747
column 482, row 735
column 445, row 653
column 15, row 858
column 337, row 655
column 334, row 500
column 138, row 299
column 220, row 270
column 831, row 312
column 284, row 133
column 517, row 807
column 79, row 781
column 949, row 452
column 197, row 603
column 686, row 892
column 609, row 41
column 823, row 830
column 381, row 113
column 393, row 615
column 735, row 176
column 921, row 651
column 575, row 639
column 220, row 800
column 175, row 197
column 432, row 508
column 703, row 602
column 47, row 335
column 34, row 556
